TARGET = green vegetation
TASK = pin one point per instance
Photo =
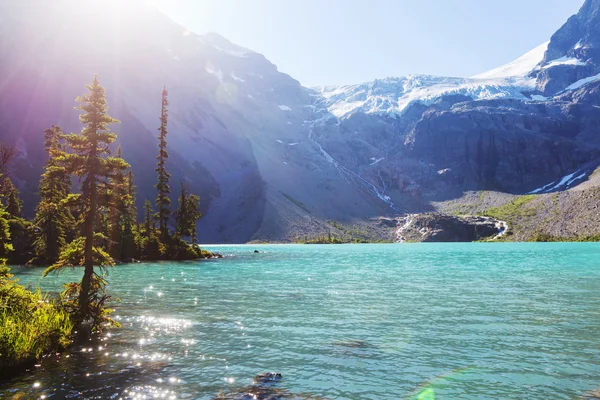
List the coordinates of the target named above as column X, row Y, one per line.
column 31, row 325
column 163, row 201
column 93, row 226
column 338, row 233
column 321, row 239
column 544, row 237
column 514, row 210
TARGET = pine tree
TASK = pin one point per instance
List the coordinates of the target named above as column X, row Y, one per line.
column 187, row 214
column 117, row 202
column 13, row 203
column 7, row 154
column 148, row 221
column 152, row 247
column 129, row 240
column 5, row 239
column 53, row 220
column 195, row 214
column 89, row 160
column 181, row 214
column 163, row 200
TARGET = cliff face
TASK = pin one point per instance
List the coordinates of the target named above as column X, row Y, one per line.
column 573, row 52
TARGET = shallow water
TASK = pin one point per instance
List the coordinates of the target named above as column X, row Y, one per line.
column 443, row 321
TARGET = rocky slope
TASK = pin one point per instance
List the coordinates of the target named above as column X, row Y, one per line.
column 273, row 160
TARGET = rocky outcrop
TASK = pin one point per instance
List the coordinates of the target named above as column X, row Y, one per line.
column 573, row 52
column 435, row 227
column 502, row 144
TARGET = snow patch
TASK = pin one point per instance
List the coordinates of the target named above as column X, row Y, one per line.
column 236, row 78
column 564, row 183
column 563, row 61
column 285, row 108
column 279, row 141
column 565, row 180
column 520, row 67
column 583, row 82
column 292, row 144
column 537, row 97
column 241, row 54
column 216, row 72
column 376, row 160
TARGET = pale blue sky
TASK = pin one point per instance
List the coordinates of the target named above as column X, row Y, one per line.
column 321, row 42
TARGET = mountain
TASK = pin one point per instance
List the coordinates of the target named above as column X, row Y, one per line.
column 273, row 160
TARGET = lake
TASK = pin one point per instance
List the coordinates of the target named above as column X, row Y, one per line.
column 410, row 321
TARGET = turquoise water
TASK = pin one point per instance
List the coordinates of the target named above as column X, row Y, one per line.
column 443, row 321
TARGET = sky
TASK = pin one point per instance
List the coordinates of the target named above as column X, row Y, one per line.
column 336, row 42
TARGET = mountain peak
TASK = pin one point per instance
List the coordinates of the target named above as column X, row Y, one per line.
column 580, row 32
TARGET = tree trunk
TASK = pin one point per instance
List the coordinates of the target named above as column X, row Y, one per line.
column 89, row 252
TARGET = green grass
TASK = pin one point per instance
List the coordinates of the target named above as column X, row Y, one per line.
column 544, row 237
column 31, row 325
column 516, row 209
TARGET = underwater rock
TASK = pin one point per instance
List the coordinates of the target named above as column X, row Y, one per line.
column 263, row 389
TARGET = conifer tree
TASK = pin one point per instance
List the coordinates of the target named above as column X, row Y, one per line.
column 129, row 242
column 5, row 239
column 148, row 220
column 53, row 220
column 7, row 154
column 118, row 201
column 152, row 247
column 187, row 214
column 13, row 203
column 163, row 200
column 89, row 160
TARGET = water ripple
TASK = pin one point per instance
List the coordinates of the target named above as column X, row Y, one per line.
column 468, row 321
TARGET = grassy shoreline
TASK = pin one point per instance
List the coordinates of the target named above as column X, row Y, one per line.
column 31, row 325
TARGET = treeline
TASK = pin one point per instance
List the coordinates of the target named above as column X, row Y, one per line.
column 94, row 221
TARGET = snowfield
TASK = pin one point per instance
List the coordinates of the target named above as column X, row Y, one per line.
column 393, row 95
column 520, row 67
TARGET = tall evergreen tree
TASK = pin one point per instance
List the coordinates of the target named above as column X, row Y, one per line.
column 89, row 159
column 5, row 239
column 163, row 201
column 7, row 154
column 53, row 219
column 129, row 240
column 187, row 214
column 54, row 224
column 148, row 220
column 13, row 203
column 118, row 202
column 181, row 214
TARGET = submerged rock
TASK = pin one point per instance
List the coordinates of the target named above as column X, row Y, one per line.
column 267, row 378
column 355, row 344
column 263, row 389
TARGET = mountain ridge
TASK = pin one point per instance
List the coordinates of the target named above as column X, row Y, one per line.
column 273, row 160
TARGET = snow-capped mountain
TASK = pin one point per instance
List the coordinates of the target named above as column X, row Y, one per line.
column 272, row 159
